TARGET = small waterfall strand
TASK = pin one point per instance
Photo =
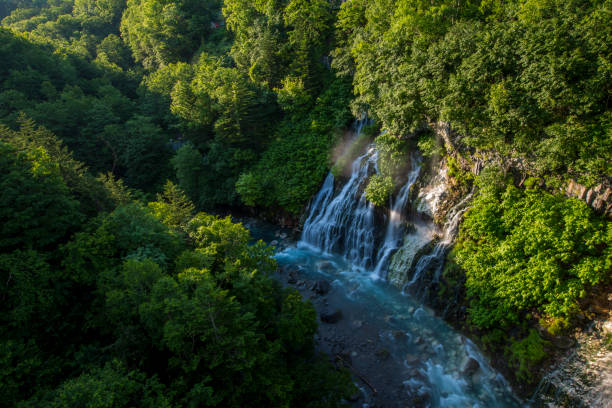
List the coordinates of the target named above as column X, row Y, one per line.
column 438, row 253
column 393, row 236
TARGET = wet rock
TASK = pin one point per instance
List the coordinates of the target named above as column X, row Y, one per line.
column 382, row 354
column 564, row 343
column 413, row 373
column 321, row 287
column 292, row 277
column 344, row 359
column 274, row 243
column 331, row 317
column 411, row 358
column 422, row 399
column 470, row 367
column 291, row 273
column 283, row 236
column 390, row 319
column 576, row 190
column 288, row 268
column 418, row 340
column 606, row 327
column 325, row 266
column 354, row 397
column 357, row 324
column 399, row 335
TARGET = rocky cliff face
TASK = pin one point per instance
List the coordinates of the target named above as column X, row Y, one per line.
column 599, row 197
column 582, row 374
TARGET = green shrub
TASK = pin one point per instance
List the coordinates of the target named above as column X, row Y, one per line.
column 392, row 154
column 608, row 341
column 525, row 354
column 555, row 325
column 429, row 145
column 454, row 171
column 530, row 182
column 379, row 189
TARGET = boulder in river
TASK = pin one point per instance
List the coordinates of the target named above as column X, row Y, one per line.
column 354, row 397
column 292, row 278
column 411, row 358
column 331, row 317
column 325, row 266
column 321, row 287
column 470, row 367
column 564, row 342
column 399, row 335
column 382, row 354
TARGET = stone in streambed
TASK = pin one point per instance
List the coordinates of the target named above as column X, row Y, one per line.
column 354, row 397
column 291, row 271
column 399, row 335
column 325, row 266
column 422, row 399
column 383, row 354
column 292, row 278
column 331, row 317
column 470, row 367
column 321, row 287
column 411, row 358
column 564, row 342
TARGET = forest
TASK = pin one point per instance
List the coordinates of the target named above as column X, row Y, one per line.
column 129, row 129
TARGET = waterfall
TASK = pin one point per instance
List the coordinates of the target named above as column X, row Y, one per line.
column 394, row 234
column 431, row 365
column 344, row 224
column 436, row 257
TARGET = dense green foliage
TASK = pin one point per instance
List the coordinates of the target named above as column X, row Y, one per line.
column 530, row 252
column 93, row 108
column 528, row 78
column 161, row 32
column 140, row 305
column 379, row 189
column 121, row 82
column 112, row 297
column 291, row 170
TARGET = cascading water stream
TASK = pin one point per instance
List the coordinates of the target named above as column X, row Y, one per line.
column 345, row 223
column 439, row 252
column 394, row 234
